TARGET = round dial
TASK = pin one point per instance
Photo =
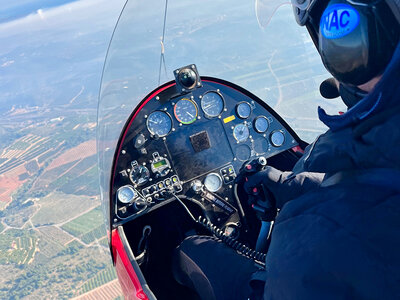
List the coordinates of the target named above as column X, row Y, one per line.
column 185, row 111
column 159, row 123
column 261, row 124
column 212, row 104
column 241, row 132
column 139, row 175
column 126, row 194
column 213, row 182
column 243, row 110
column 277, row 138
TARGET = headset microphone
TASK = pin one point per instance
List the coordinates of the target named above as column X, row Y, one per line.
column 329, row 88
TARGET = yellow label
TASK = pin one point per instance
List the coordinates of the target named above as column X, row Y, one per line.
column 229, row 119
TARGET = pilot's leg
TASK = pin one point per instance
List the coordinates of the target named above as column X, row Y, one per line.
column 212, row 269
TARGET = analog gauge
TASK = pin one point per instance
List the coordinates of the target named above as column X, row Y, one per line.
column 261, row 124
column 277, row 138
column 213, row 182
column 241, row 132
column 126, row 194
column 185, row 111
column 243, row 110
column 212, row 104
column 139, row 175
column 159, row 123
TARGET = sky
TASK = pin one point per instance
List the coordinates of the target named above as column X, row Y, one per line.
column 13, row 10
column 51, row 48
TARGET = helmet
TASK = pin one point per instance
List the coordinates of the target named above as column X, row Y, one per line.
column 355, row 38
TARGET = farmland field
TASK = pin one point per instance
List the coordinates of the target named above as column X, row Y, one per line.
column 59, row 207
column 85, row 223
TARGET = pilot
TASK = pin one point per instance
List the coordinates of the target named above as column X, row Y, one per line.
column 337, row 233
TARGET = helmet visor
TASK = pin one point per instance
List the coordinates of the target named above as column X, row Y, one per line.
column 265, row 9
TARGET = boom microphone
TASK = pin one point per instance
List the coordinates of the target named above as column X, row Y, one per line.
column 329, row 88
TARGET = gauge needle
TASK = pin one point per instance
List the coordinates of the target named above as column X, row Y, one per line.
column 153, row 121
column 190, row 114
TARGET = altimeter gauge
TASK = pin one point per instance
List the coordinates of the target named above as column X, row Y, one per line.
column 212, row 104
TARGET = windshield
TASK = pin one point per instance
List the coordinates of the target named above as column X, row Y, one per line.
column 279, row 64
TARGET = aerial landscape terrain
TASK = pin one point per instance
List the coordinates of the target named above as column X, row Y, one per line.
column 52, row 232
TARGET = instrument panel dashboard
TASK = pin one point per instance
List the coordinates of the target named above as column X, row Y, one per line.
column 192, row 143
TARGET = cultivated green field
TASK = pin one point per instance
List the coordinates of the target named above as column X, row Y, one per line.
column 101, row 278
column 86, row 225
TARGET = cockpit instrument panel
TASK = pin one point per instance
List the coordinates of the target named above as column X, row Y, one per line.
column 191, row 142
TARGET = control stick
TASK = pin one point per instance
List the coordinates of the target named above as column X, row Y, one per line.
column 258, row 200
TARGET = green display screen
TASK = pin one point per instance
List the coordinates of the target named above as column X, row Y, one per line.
column 160, row 163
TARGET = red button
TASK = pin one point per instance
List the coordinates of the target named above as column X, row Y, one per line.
column 248, row 167
column 255, row 190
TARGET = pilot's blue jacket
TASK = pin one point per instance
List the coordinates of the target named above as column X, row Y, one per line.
column 340, row 239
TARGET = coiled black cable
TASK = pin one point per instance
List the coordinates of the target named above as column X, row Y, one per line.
column 234, row 244
column 258, row 257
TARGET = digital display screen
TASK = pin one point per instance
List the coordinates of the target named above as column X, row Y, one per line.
column 191, row 160
column 160, row 164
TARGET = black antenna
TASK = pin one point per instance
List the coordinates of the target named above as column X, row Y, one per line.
column 162, row 58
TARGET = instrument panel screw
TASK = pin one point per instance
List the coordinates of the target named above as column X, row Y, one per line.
column 145, row 116
column 157, row 98
column 123, row 152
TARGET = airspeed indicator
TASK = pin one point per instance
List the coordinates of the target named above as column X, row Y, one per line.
column 185, row 111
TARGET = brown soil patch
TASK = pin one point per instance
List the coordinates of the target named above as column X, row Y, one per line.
column 9, row 183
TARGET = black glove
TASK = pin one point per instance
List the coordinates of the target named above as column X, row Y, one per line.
column 269, row 177
column 259, row 186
